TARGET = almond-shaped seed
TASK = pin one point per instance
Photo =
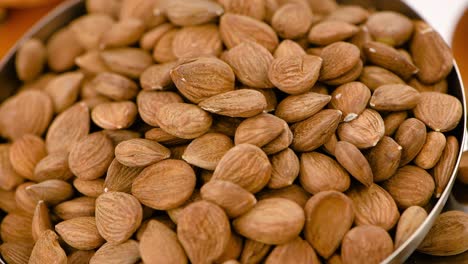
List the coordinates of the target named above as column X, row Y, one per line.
column 126, row 252
column 78, row 207
column 323, row 7
column 441, row 87
column 365, row 131
column 284, row 169
column 351, row 158
column 258, row 130
column 373, row 206
column 25, row 201
column 431, row 151
column 175, row 213
column 330, row 31
column 297, row 251
column 25, row 153
column 353, row 14
column 288, row 48
column 389, row 58
column 159, row 244
column 441, row 112
column 251, row 8
column 375, row 76
column 140, row 152
column 430, row 53
column 409, row 222
column 16, row 252
column 348, row 76
column 409, row 186
column 254, row 251
column 206, row 151
column 448, row 235
column 90, row 157
column 292, row 21
column 80, row 256
column 250, row 62
column 229, row 196
column 313, row 132
column 30, row 59
column 237, row 103
column 384, row 158
column 351, row 99
column 366, row 244
column 88, row 29
column 225, row 125
column 196, row 12
column 197, row 41
column 296, row 74
column 16, row 228
column 159, row 135
column 80, row 233
column 165, row 185
column 202, row 78
column 68, row 128
column 7, row 202
column 236, row 29
column 446, row 164
column 51, row 191
column 91, row 63
column 338, row 58
column 120, row 178
column 28, row 112
column 41, row 220
column 118, row 136
column 232, row 250
column 64, row 90
column 114, row 115
column 178, row 151
column 393, row 121
column 130, row 62
column 150, row 102
column 280, row 143
column 39, row 83
column 271, row 221
column 411, row 136
column 115, row 86
column 149, row 39
column 246, row 165
column 142, row 9
column 47, row 249
column 92, row 188
column 123, row 33
column 390, row 27
column 118, row 216
column 293, row 192
column 394, row 97
column 329, row 215
column 157, row 77
column 53, row 166
column 295, row 108
column 162, row 52
column 62, row 49
column 318, row 173
column 183, row 120
column 330, row 145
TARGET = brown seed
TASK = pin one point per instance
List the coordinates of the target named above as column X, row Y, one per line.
column 203, row 230
column 353, row 14
column 197, row 41
column 270, row 97
column 123, row 33
column 149, row 39
column 410, row 186
column 183, row 120
column 118, row 216
column 250, row 62
column 390, row 27
column 47, row 249
column 141, row 9
column 130, row 62
column 80, row 256
column 441, row 87
column 7, row 202
column 149, row 103
column 384, row 158
column 199, row 79
column 229, row 196
column 127, row 252
column 25, row 153
column 330, row 31
column 80, row 233
column 338, row 58
column 330, row 145
column 206, row 151
column 323, row 7
column 237, row 103
column 351, row 158
column 365, row 131
column 140, row 152
column 16, row 252
column 295, row 108
column 192, row 13
column 232, row 250
column 444, row 168
column 374, row 206
column 53, row 166
column 284, row 222
column 291, row 21
column 296, row 74
column 329, row 215
column 296, row 251
column 64, row 89
column 374, row 77
column 88, row 29
column 120, row 178
column 63, row 48
column 90, row 157
column 284, row 169
column 348, row 76
column 394, row 97
column 162, row 52
column 254, row 251
column 78, row 207
column 316, row 130
column 293, row 192
column 409, row 222
column 351, row 99
column 30, row 59
column 165, row 185
column 91, row 63
column 366, row 244
column 288, row 48
column 41, row 220
column 161, row 136
column 24, row 200
column 411, row 136
column 16, row 228
column 318, row 173
column 393, row 121
column 92, row 188
column 431, row 151
column 114, row 115
column 115, row 86
column 258, row 130
column 51, row 191
column 441, row 112
column 251, row 8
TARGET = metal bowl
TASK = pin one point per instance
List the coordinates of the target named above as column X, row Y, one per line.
column 71, row 9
